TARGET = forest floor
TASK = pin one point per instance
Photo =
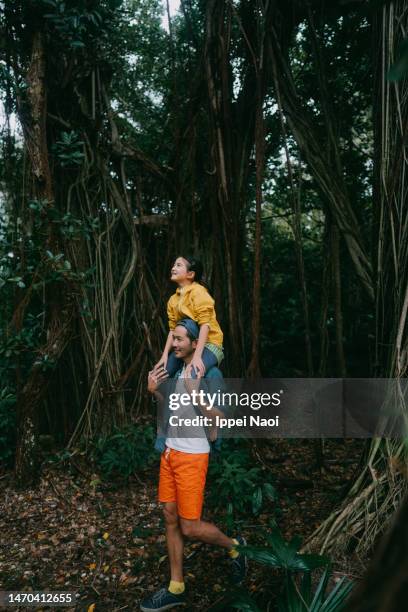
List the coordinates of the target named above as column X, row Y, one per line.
column 106, row 542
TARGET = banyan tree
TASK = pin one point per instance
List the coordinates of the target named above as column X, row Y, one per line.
column 137, row 142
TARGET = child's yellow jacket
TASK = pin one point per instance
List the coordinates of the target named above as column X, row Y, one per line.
column 194, row 301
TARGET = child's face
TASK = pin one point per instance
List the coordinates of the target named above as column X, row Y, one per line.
column 180, row 272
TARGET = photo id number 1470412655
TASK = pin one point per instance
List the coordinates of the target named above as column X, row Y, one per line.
column 58, row 599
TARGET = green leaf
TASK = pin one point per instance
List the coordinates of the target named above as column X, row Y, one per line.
column 299, row 599
column 76, row 44
column 270, row 491
column 284, row 554
column 306, row 587
column 308, row 562
column 285, row 551
column 338, row 597
column 320, row 591
column 257, row 500
column 290, row 601
column 262, row 555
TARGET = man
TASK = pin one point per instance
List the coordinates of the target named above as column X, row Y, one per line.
column 183, row 470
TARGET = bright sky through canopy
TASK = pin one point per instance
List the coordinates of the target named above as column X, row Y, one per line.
column 174, row 6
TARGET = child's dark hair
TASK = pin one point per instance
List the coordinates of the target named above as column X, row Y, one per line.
column 195, row 265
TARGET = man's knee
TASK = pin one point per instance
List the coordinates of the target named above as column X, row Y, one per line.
column 190, row 528
column 170, row 513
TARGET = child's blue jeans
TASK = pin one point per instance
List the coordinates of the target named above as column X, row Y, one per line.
column 174, row 363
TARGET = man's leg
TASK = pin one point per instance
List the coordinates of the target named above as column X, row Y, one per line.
column 190, row 472
column 190, row 476
column 174, row 538
column 173, row 595
column 205, row 532
column 175, row 542
column 210, row 534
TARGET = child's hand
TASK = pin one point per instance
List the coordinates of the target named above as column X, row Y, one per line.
column 198, row 365
column 162, row 362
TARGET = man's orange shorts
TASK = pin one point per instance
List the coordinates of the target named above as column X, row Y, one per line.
column 182, row 480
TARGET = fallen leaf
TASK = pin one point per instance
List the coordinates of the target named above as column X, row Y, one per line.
column 123, row 578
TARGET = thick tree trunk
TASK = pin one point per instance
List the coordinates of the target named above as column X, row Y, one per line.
column 31, row 398
column 58, row 310
column 232, row 137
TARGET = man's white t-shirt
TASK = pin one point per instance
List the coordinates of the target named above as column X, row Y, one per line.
column 175, row 437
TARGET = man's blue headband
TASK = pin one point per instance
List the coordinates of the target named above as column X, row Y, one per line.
column 191, row 326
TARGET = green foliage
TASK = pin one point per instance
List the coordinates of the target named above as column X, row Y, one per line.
column 26, row 264
column 74, row 227
column 7, row 426
column 45, row 362
column 143, row 77
column 68, row 149
column 39, row 266
column 284, row 555
column 78, row 22
column 297, row 596
column 125, row 451
column 301, row 598
column 19, row 347
column 236, row 485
